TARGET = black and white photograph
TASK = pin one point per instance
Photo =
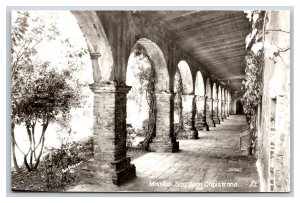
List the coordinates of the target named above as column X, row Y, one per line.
column 150, row 101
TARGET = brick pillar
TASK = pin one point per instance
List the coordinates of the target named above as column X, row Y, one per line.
column 110, row 163
column 224, row 109
column 200, row 118
column 231, row 108
column 188, row 116
column 164, row 141
column 220, row 109
column 209, row 115
column 228, row 108
column 215, row 111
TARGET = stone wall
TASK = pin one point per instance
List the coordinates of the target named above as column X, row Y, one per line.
column 274, row 112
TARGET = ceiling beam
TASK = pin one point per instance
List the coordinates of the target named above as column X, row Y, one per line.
column 225, row 19
column 215, row 40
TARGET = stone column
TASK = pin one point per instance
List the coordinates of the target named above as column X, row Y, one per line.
column 231, row 108
column 228, row 108
column 164, row 140
column 200, row 118
column 215, row 111
column 96, row 70
column 220, row 109
column 223, row 109
column 110, row 163
column 188, row 116
column 209, row 115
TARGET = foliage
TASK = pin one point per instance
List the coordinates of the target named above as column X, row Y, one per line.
column 257, row 49
column 253, row 82
column 178, row 100
column 41, row 90
column 59, row 169
column 130, row 135
column 254, row 62
column 61, row 163
column 147, row 79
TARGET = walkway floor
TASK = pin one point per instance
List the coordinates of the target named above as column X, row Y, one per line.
column 213, row 163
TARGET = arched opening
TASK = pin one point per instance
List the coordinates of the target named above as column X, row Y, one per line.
column 141, row 102
column 188, row 104
column 220, row 103
column 215, row 96
column 158, row 61
column 178, row 90
column 215, row 104
column 208, row 91
column 239, row 107
column 200, row 118
column 209, row 104
column 199, row 85
column 186, row 76
column 159, row 127
column 97, row 43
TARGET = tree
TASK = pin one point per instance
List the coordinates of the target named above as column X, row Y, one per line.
column 41, row 90
column 42, row 100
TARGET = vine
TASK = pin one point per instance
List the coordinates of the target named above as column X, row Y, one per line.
column 178, row 101
column 147, row 78
column 254, row 62
column 257, row 48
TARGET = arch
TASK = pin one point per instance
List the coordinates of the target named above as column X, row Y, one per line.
column 208, row 89
column 215, row 96
column 186, row 76
column 219, row 93
column 97, row 42
column 139, row 71
column 177, row 82
column 224, row 94
column 158, row 62
column 199, row 85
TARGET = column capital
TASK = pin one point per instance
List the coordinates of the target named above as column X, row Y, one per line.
column 95, row 55
column 200, row 97
column 188, row 95
column 109, row 87
column 164, row 93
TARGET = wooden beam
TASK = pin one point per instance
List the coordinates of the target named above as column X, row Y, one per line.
column 217, row 21
column 233, row 47
column 221, row 45
column 215, row 40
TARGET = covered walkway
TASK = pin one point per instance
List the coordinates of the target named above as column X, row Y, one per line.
column 212, row 163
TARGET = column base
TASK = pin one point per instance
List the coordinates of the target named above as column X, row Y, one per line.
column 117, row 173
column 163, row 145
column 187, row 134
column 216, row 120
column 210, row 123
column 201, row 125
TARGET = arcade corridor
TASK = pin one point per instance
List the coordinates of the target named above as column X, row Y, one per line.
column 213, row 158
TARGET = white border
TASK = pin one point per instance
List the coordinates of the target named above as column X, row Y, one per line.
column 175, row 3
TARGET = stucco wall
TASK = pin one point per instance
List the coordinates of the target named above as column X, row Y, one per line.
column 274, row 121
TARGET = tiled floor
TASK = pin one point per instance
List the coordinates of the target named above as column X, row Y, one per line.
column 213, row 163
